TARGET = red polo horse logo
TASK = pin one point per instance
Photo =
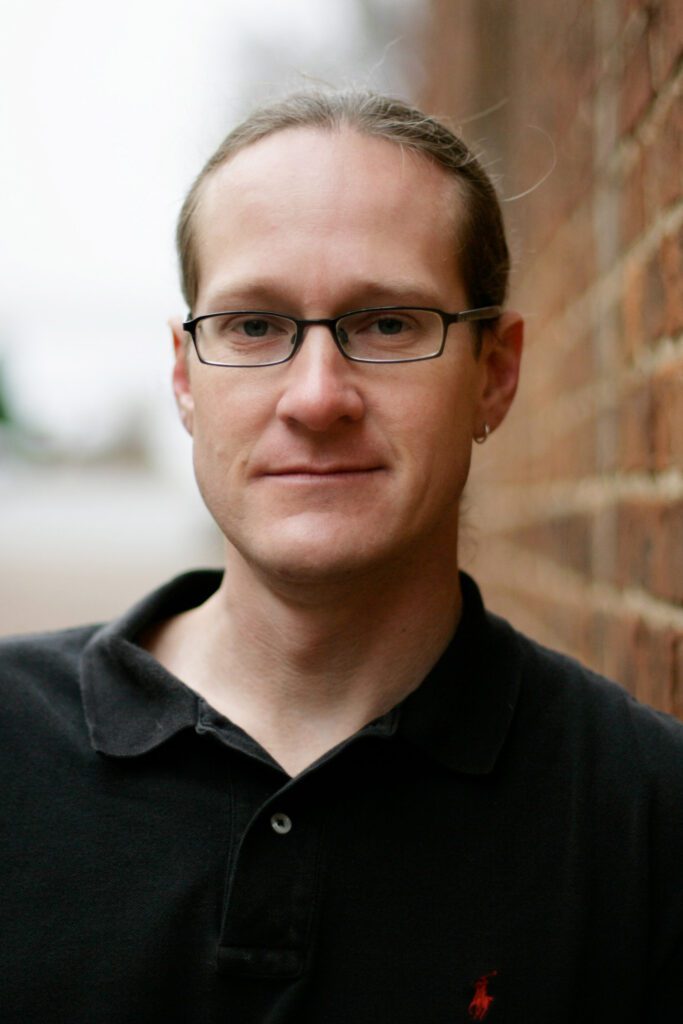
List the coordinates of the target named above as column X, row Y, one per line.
column 481, row 1000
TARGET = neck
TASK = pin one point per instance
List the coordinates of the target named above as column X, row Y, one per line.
column 302, row 667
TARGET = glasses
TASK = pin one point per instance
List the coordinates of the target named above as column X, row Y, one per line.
column 389, row 334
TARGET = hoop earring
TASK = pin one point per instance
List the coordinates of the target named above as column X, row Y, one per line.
column 480, row 438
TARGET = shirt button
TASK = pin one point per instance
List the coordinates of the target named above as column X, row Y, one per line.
column 281, row 824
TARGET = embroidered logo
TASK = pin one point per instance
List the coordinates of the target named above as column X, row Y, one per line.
column 481, row 1000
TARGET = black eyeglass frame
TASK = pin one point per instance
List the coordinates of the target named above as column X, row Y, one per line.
column 464, row 316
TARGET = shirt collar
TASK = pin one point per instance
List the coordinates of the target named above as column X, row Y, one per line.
column 131, row 702
column 463, row 710
column 459, row 715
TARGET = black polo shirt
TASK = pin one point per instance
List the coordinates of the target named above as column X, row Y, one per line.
column 505, row 845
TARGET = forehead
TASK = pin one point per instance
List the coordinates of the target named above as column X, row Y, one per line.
column 327, row 205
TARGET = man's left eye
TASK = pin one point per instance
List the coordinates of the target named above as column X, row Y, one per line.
column 255, row 328
column 389, row 325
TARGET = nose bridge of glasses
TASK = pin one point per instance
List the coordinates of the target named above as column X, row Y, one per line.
column 331, row 324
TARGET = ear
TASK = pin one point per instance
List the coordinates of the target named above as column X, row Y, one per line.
column 182, row 389
column 500, row 357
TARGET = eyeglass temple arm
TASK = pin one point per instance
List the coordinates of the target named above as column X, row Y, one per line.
column 483, row 313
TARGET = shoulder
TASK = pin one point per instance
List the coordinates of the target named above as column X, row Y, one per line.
column 39, row 673
column 593, row 715
column 33, row 652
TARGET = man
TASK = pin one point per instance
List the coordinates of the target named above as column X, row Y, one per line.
column 328, row 786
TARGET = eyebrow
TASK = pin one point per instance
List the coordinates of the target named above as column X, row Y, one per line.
column 273, row 296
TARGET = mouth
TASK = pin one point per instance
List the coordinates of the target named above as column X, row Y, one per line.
column 323, row 474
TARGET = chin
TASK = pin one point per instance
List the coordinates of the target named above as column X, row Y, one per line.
column 310, row 557
column 310, row 565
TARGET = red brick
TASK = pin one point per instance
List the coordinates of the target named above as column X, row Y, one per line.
column 583, row 141
column 632, row 219
column 631, row 7
column 652, row 297
column 565, row 189
column 637, row 523
column 636, row 428
column 667, row 411
column 650, row 548
column 632, row 291
column 578, row 367
column 654, row 300
column 663, row 156
column 604, row 544
column 636, row 91
column 570, row 456
column 574, row 365
column 666, row 39
column 579, row 50
column 671, row 262
column 666, row 571
column 606, row 440
column 565, row 540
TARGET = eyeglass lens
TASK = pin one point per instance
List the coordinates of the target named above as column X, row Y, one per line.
column 253, row 339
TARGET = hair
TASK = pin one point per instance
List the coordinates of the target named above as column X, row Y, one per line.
column 482, row 250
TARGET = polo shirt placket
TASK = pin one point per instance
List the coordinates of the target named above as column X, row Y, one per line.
column 273, row 879
column 271, row 889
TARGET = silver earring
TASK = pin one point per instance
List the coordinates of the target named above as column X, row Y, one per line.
column 480, row 438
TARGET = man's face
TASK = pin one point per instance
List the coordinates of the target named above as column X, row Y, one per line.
column 321, row 468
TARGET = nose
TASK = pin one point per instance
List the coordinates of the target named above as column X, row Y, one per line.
column 321, row 388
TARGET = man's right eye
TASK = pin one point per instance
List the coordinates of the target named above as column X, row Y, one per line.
column 254, row 328
column 240, row 328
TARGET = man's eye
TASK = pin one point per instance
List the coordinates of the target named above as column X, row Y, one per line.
column 390, row 325
column 255, row 328
column 241, row 328
column 374, row 326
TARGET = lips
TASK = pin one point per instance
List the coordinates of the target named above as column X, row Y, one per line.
column 336, row 469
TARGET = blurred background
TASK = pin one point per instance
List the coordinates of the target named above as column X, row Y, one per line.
column 574, row 515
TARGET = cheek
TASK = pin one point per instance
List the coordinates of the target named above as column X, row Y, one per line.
column 215, row 442
column 216, row 463
column 216, row 412
column 443, row 416
column 228, row 422
column 442, row 439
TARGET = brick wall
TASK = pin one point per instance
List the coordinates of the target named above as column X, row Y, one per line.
column 574, row 520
